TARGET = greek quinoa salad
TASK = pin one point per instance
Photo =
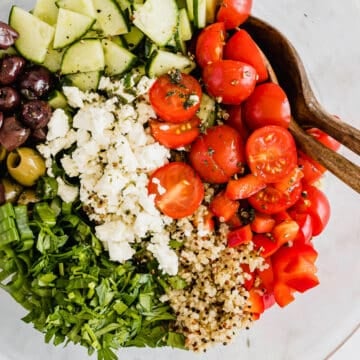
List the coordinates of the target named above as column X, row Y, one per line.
column 150, row 191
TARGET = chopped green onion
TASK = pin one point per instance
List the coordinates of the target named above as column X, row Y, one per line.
column 45, row 213
column 6, row 211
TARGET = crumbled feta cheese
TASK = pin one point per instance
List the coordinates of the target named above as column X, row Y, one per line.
column 112, row 157
column 68, row 193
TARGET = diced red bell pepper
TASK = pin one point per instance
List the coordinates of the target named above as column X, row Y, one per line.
column 244, row 187
column 285, row 232
column 249, row 280
column 262, row 223
column 283, row 294
column 256, row 302
column 266, row 276
column 223, row 207
column 266, row 245
column 239, row 236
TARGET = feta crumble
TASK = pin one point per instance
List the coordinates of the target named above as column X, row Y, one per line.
column 112, row 155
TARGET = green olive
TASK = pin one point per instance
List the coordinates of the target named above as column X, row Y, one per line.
column 28, row 196
column 12, row 190
column 25, row 165
column 2, row 153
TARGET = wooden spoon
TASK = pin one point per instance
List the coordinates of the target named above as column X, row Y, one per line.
column 285, row 66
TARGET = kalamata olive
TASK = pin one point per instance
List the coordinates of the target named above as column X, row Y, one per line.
column 11, row 67
column 7, row 35
column 9, row 99
column 1, row 119
column 13, row 134
column 35, row 82
column 39, row 135
column 25, row 165
column 36, row 113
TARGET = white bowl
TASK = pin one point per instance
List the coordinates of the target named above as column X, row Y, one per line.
column 325, row 33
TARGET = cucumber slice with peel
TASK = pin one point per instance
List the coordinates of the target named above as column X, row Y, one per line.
column 110, row 18
column 85, row 7
column 157, row 19
column 85, row 81
column 35, row 35
column 53, row 59
column 199, row 13
column 86, row 55
column 70, row 26
column 161, row 62
column 46, row 10
column 117, row 59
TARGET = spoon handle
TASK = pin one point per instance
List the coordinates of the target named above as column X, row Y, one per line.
column 344, row 169
column 341, row 131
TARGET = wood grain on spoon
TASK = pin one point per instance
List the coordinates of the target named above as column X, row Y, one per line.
column 344, row 169
column 293, row 79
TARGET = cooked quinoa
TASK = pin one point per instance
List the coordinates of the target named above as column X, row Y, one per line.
column 212, row 308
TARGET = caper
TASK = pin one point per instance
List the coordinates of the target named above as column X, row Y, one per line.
column 25, row 165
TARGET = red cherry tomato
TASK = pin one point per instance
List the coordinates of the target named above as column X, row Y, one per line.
column 315, row 203
column 271, row 200
column 243, row 48
column 235, row 119
column 234, row 12
column 175, row 97
column 271, row 153
column 177, row 188
column 267, row 105
column 218, row 154
column 210, row 44
column 230, row 81
column 173, row 135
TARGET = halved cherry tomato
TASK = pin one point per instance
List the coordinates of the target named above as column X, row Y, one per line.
column 243, row 48
column 262, row 223
column 236, row 121
column 271, row 200
column 177, row 188
column 173, row 135
column 222, row 207
column 175, row 97
column 210, row 44
column 230, row 81
column 290, row 180
column 244, row 187
column 239, row 236
column 315, row 203
column 285, row 232
column 271, row 153
column 218, row 154
column 267, row 105
column 234, row 12
column 265, row 244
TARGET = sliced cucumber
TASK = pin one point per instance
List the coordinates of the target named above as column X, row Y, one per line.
column 190, row 9
column 46, row 10
column 207, row 111
column 35, row 34
column 199, row 13
column 85, row 81
column 161, row 62
column 117, row 59
column 86, row 55
column 134, row 37
column 85, row 7
column 71, row 26
column 185, row 28
column 8, row 51
column 157, row 19
column 124, row 4
column 57, row 100
column 110, row 17
column 211, row 8
column 53, row 59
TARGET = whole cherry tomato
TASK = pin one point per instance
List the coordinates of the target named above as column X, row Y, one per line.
column 230, row 81
column 267, row 105
column 218, row 154
column 234, row 12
